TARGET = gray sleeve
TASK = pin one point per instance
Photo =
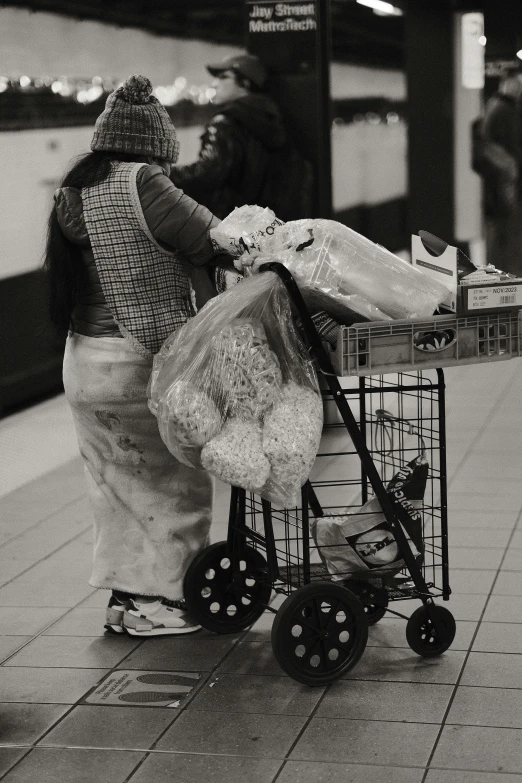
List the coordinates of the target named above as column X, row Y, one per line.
column 175, row 220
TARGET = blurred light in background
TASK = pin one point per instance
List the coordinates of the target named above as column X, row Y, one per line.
column 381, row 7
column 88, row 90
column 89, row 95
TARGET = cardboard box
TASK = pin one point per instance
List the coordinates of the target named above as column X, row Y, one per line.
column 441, row 266
column 488, row 296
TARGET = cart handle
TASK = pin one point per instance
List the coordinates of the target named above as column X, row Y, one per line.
column 296, row 297
column 393, row 514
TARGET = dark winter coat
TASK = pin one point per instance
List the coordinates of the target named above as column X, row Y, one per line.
column 502, row 134
column 234, row 155
column 503, row 124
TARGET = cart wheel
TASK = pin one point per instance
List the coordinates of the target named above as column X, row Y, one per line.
column 422, row 636
column 221, row 600
column 319, row 633
column 374, row 599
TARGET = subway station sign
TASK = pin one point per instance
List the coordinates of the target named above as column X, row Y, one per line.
column 268, row 16
column 293, row 40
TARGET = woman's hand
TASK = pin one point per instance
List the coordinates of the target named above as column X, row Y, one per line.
column 249, row 264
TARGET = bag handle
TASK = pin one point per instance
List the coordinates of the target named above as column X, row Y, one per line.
column 386, row 423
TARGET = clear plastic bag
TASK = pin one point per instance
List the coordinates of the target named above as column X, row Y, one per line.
column 347, row 272
column 244, row 229
column 235, row 392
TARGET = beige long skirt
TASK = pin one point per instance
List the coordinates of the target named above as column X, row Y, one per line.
column 152, row 514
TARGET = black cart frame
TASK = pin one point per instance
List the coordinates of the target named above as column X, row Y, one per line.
column 230, row 583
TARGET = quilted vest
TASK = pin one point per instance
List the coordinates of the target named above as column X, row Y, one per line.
column 146, row 287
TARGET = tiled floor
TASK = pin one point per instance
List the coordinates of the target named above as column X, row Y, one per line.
column 395, row 718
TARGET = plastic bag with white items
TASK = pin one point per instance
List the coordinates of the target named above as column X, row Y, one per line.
column 246, row 233
column 235, row 392
column 346, row 270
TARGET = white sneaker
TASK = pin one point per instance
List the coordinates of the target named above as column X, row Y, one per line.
column 114, row 614
column 158, row 618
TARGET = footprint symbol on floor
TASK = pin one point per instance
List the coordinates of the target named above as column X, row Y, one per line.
column 167, row 679
column 148, row 697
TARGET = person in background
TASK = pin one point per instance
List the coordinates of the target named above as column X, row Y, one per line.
column 246, row 157
column 502, row 139
column 237, row 143
column 121, row 245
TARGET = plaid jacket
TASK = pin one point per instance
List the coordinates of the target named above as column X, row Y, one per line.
column 146, row 286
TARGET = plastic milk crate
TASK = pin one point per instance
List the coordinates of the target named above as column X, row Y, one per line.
column 382, row 347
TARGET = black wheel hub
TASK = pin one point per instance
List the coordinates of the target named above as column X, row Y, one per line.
column 318, row 634
column 422, row 635
column 227, row 596
column 428, row 634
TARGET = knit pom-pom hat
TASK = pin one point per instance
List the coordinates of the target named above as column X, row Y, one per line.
column 135, row 122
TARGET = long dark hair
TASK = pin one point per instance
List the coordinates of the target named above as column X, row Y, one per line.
column 63, row 265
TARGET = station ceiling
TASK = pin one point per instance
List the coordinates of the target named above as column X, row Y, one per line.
column 359, row 36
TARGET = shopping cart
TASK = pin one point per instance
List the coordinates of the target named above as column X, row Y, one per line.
column 320, row 629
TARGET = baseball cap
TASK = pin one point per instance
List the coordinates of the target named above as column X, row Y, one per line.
column 246, row 64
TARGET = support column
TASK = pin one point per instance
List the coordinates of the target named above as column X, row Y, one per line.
column 293, row 39
column 444, row 193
